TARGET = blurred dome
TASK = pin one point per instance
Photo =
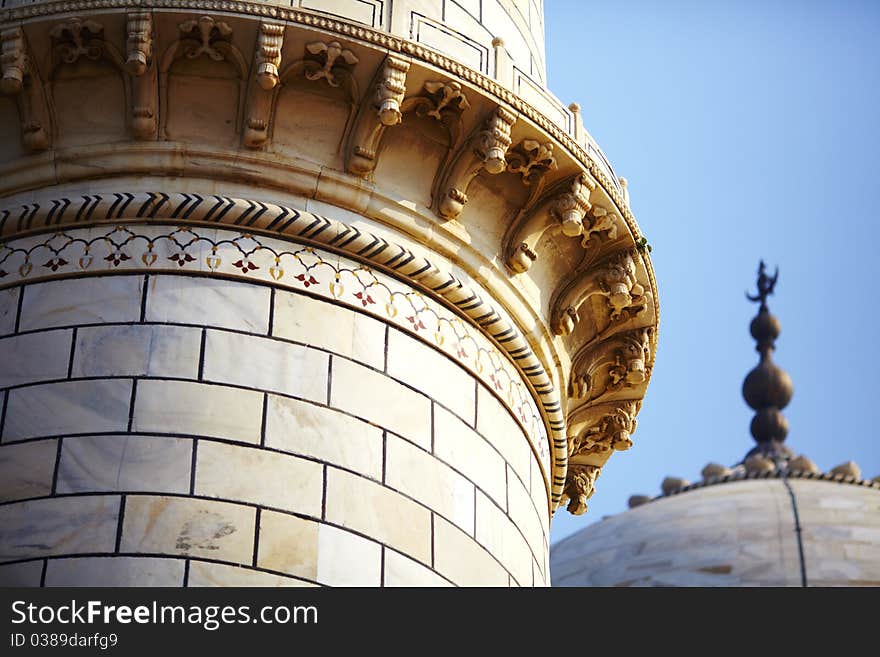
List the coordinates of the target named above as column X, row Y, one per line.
column 739, row 532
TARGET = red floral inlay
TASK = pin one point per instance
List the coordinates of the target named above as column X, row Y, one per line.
column 245, row 265
column 365, row 299
column 311, row 280
column 116, row 257
column 55, row 263
column 416, row 322
column 181, row 258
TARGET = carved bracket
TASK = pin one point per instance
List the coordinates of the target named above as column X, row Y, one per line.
column 77, row 38
column 20, row 79
column 601, row 428
column 485, row 150
column 139, row 63
column 565, row 206
column 620, row 362
column 383, row 112
column 615, row 280
column 263, row 84
column 580, row 484
column 326, row 61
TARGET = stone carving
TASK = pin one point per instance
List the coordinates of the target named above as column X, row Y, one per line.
column 485, row 150
column 802, row 464
column 139, row 63
column 673, row 484
column 139, row 42
column 268, row 54
column 439, row 100
column 757, row 464
column 599, row 226
column 715, row 471
column 12, row 60
column 383, row 112
column 620, row 362
column 564, row 207
column 580, row 484
column 330, row 60
column 637, row 500
column 203, row 36
column 20, row 80
column 615, row 280
column 532, row 160
column 612, row 431
column 845, row 470
column 263, row 84
column 77, row 38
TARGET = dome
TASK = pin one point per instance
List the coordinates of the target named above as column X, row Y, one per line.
column 739, row 532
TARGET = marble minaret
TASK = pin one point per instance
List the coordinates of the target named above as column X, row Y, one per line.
column 303, row 292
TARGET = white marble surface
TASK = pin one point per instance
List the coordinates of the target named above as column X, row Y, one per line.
column 8, row 309
column 433, row 373
column 459, row 558
column 499, row 536
column 137, row 350
column 257, row 476
column 125, row 463
column 69, row 407
column 299, row 427
column 466, row 451
column 403, row 571
column 115, row 571
column 198, row 409
column 266, row 364
column 381, row 400
column 26, row 469
column 61, row 525
column 25, row 573
column 179, row 525
column 421, row 476
column 208, row 573
column 372, row 509
column 328, row 326
column 496, row 425
column 33, row 357
column 208, row 302
column 91, row 300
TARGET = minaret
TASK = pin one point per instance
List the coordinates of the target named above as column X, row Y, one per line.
column 297, row 292
column 767, row 389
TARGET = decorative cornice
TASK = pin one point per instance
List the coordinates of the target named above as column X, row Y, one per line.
column 329, row 60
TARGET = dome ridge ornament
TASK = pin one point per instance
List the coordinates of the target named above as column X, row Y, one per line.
column 767, row 389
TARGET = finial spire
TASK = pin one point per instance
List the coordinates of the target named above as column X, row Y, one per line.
column 767, row 388
column 765, row 286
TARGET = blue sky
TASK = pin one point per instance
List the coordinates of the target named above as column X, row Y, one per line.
column 747, row 130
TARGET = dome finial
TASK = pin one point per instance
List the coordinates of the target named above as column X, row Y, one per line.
column 767, row 388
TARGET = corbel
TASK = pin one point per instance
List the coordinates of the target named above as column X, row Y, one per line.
column 564, row 207
column 20, row 80
column 485, row 150
column 580, row 484
column 263, row 84
column 144, row 84
column 383, row 111
column 615, row 279
column 597, row 430
column 620, row 362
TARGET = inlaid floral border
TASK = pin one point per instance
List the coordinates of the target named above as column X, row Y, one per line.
column 230, row 253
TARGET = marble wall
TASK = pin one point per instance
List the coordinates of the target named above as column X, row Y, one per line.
column 166, row 426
